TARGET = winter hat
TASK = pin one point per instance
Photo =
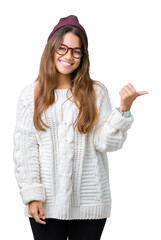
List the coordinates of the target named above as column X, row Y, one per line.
column 70, row 20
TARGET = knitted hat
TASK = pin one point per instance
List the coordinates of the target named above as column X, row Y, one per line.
column 70, row 20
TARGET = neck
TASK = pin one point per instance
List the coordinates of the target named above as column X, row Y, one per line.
column 64, row 80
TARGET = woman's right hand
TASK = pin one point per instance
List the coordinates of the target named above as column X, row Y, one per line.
column 36, row 211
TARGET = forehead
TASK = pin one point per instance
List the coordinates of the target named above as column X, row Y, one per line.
column 71, row 40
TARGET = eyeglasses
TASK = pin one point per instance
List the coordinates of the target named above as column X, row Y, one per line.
column 76, row 52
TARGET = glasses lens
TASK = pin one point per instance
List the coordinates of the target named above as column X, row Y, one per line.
column 62, row 49
column 77, row 53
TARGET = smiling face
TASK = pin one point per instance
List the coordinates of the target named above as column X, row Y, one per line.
column 66, row 64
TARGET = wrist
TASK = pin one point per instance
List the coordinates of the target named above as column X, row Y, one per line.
column 124, row 109
column 126, row 113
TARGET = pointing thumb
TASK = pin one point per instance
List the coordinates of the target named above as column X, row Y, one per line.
column 142, row 93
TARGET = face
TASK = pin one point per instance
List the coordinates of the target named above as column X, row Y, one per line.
column 66, row 64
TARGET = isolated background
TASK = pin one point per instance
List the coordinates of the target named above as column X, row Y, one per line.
column 124, row 46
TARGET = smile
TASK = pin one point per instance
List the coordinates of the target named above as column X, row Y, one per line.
column 65, row 63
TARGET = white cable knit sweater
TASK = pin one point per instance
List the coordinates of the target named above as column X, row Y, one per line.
column 64, row 169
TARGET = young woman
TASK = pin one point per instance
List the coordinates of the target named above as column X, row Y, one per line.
column 65, row 126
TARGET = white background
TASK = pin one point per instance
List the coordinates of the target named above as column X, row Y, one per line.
column 124, row 46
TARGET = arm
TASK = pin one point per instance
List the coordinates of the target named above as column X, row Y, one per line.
column 26, row 155
column 111, row 129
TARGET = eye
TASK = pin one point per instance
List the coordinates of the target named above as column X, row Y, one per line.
column 62, row 48
column 77, row 52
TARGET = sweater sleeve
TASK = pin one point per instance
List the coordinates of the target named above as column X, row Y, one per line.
column 110, row 132
column 26, row 155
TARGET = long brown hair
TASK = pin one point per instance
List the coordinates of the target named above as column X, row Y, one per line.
column 82, row 88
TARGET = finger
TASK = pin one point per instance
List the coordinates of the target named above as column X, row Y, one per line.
column 128, row 89
column 39, row 215
column 142, row 93
column 122, row 95
column 132, row 87
column 37, row 219
column 125, row 92
column 41, row 212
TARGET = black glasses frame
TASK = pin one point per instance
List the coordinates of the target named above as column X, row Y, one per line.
column 83, row 51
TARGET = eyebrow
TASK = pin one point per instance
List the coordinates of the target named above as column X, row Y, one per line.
column 67, row 45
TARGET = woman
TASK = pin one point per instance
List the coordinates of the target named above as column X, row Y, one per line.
column 64, row 127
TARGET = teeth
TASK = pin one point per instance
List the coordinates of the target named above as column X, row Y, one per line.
column 65, row 63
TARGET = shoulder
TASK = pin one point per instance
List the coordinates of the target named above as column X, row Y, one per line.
column 27, row 93
column 102, row 93
column 100, row 89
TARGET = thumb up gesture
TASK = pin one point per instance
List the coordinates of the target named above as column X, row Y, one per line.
column 128, row 94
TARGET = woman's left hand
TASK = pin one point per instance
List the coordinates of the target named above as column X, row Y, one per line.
column 128, row 94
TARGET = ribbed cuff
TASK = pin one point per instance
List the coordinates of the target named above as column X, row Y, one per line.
column 31, row 193
column 117, row 121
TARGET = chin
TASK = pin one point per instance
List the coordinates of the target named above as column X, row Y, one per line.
column 65, row 72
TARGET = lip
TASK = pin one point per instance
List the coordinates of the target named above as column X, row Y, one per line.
column 65, row 63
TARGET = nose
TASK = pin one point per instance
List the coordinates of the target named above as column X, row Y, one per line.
column 69, row 53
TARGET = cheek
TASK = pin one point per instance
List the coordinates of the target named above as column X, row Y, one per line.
column 56, row 61
column 55, row 57
column 77, row 63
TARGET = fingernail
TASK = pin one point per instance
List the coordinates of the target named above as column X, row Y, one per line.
column 43, row 217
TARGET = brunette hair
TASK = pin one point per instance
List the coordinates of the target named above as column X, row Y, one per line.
column 82, row 88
